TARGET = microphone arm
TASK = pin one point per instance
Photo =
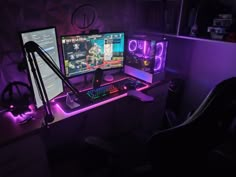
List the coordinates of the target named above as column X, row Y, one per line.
column 31, row 47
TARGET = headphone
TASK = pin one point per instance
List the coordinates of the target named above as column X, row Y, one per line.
column 16, row 97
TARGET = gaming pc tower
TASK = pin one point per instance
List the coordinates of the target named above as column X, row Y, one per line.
column 145, row 59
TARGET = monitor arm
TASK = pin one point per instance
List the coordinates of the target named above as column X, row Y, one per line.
column 32, row 47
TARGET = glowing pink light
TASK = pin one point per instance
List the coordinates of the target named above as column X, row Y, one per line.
column 20, row 118
column 145, row 47
column 11, row 106
column 31, row 107
column 157, row 63
column 89, row 88
column 92, row 106
column 162, row 48
column 159, row 56
column 133, row 42
column 97, row 104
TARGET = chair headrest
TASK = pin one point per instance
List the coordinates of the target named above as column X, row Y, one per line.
column 220, row 99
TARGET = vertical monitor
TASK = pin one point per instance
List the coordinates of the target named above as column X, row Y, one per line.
column 87, row 52
column 47, row 40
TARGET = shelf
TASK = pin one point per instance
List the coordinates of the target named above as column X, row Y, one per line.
column 189, row 13
column 197, row 38
column 197, row 16
column 158, row 34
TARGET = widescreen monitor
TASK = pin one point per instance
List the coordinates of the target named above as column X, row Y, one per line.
column 86, row 52
column 47, row 40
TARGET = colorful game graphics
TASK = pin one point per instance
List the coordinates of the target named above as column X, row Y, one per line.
column 86, row 53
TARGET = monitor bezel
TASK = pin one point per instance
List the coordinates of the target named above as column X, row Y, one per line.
column 100, row 33
column 25, row 57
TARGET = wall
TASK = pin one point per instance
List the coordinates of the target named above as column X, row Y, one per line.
column 178, row 57
column 17, row 16
column 211, row 62
column 202, row 64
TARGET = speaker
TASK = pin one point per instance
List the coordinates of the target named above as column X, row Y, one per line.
column 97, row 79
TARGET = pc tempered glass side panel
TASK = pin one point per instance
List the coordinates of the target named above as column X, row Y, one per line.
column 141, row 54
column 86, row 52
column 146, row 55
column 45, row 38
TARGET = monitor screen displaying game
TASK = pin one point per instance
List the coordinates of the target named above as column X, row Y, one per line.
column 86, row 52
column 46, row 39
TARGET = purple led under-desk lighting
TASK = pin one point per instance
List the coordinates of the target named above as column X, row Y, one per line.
column 91, row 106
column 21, row 118
column 145, row 49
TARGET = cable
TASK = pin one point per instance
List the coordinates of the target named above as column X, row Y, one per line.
column 32, row 48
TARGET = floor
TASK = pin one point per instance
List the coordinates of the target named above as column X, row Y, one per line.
column 124, row 157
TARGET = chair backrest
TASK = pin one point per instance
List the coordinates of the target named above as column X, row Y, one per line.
column 182, row 150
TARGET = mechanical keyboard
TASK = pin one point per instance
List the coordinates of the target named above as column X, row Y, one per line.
column 120, row 87
column 106, row 93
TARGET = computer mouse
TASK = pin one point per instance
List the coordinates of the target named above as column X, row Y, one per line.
column 130, row 85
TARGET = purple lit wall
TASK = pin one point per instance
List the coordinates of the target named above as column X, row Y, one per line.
column 211, row 62
column 118, row 15
column 202, row 64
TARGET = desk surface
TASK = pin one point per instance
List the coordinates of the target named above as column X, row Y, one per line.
column 10, row 130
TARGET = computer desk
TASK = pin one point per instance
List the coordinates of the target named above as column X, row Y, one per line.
column 113, row 118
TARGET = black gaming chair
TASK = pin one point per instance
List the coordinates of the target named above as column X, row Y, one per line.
column 184, row 150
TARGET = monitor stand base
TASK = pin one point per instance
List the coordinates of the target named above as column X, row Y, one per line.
column 108, row 78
